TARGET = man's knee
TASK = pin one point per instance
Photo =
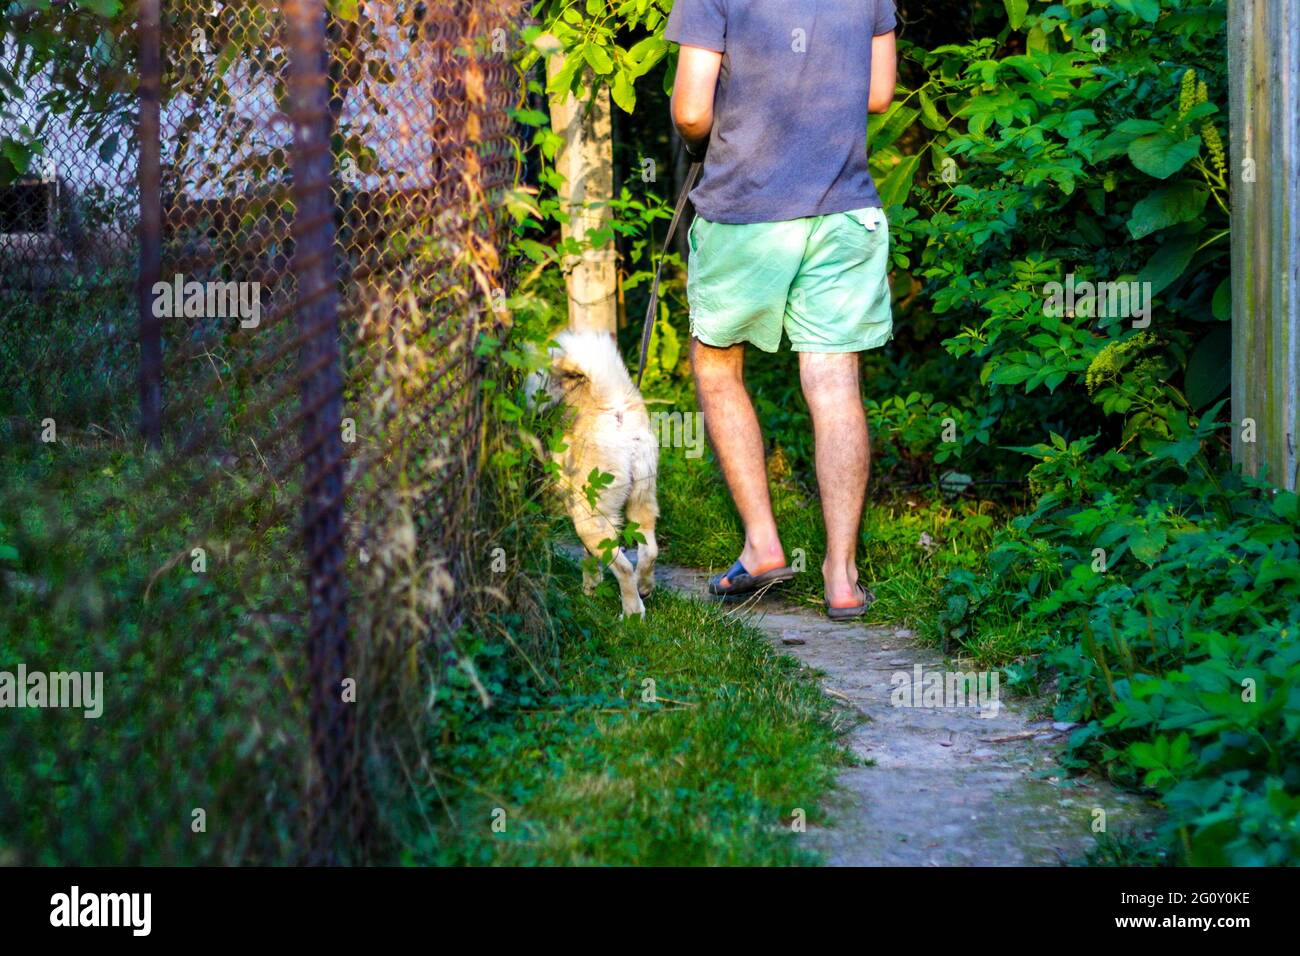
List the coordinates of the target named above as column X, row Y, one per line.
column 828, row 376
column 714, row 367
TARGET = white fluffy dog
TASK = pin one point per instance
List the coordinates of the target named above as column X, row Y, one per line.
column 608, row 431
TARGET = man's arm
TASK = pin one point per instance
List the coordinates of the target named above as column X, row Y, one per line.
column 693, row 90
column 884, row 73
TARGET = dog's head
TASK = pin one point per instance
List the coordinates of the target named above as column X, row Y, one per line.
column 560, row 382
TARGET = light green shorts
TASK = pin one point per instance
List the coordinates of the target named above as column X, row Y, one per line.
column 824, row 279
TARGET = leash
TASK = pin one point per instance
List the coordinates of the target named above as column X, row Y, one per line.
column 692, row 174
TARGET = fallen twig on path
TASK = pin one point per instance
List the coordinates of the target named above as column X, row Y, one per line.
column 1021, row 735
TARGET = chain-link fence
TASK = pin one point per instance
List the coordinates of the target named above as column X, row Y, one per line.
column 246, row 252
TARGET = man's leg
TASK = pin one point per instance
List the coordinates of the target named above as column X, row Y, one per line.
column 832, row 390
column 733, row 429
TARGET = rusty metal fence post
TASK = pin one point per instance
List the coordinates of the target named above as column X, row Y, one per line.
column 321, row 390
column 150, row 177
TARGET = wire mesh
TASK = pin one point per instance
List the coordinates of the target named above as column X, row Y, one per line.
column 246, row 254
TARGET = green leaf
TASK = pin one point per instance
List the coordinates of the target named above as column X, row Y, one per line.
column 105, row 8
column 955, row 482
column 670, row 348
column 1285, row 505
column 1165, row 207
column 345, row 10
column 108, row 147
column 563, row 78
column 1169, row 262
column 598, row 58
column 882, row 130
column 1222, row 306
column 1147, row 543
column 18, row 155
column 1209, row 369
column 623, row 91
column 1162, row 154
column 1180, row 451
column 1148, row 10
column 1017, row 10
column 929, row 112
column 530, row 117
column 895, row 187
column 644, row 54
column 8, row 84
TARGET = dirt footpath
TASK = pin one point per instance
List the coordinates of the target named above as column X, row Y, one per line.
column 940, row 785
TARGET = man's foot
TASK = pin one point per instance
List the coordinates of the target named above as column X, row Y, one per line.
column 758, row 560
column 841, row 584
column 744, row 577
column 862, row 599
column 845, row 598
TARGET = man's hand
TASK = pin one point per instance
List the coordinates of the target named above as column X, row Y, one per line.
column 693, row 91
column 884, row 73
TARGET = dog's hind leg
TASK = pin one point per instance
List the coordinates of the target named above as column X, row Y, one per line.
column 594, row 528
column 591, row 577
column 644, row 510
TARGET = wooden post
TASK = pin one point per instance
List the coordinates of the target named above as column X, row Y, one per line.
column 586, row 161
column 1264, row 76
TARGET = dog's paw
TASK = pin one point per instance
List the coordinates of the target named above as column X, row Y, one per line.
column 645, row 588
column 633, row 610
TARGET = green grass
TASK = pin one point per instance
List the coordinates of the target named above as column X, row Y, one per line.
column 589, row 772
column 203, row 680
column 699, row 527
column 92, row 580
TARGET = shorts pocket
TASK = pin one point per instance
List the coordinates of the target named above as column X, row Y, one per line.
column 870, row 217
column 692, row 242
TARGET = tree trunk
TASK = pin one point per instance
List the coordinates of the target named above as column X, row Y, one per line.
column 1264, row 72
column 586, row 161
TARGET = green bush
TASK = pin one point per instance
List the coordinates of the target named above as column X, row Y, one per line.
column 1168, row 611
column 1159, row 586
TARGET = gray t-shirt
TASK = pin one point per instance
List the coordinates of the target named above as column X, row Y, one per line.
column 789, row 133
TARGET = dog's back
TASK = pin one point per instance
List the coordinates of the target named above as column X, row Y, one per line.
column 609, row 433
column 595, row 355
column 610, row 426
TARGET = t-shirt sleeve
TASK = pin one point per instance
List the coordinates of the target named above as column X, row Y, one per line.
column 701, row 23
column 885, row 18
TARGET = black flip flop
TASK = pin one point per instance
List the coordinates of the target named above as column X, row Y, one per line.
column 741, row 581
column 850, row 613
